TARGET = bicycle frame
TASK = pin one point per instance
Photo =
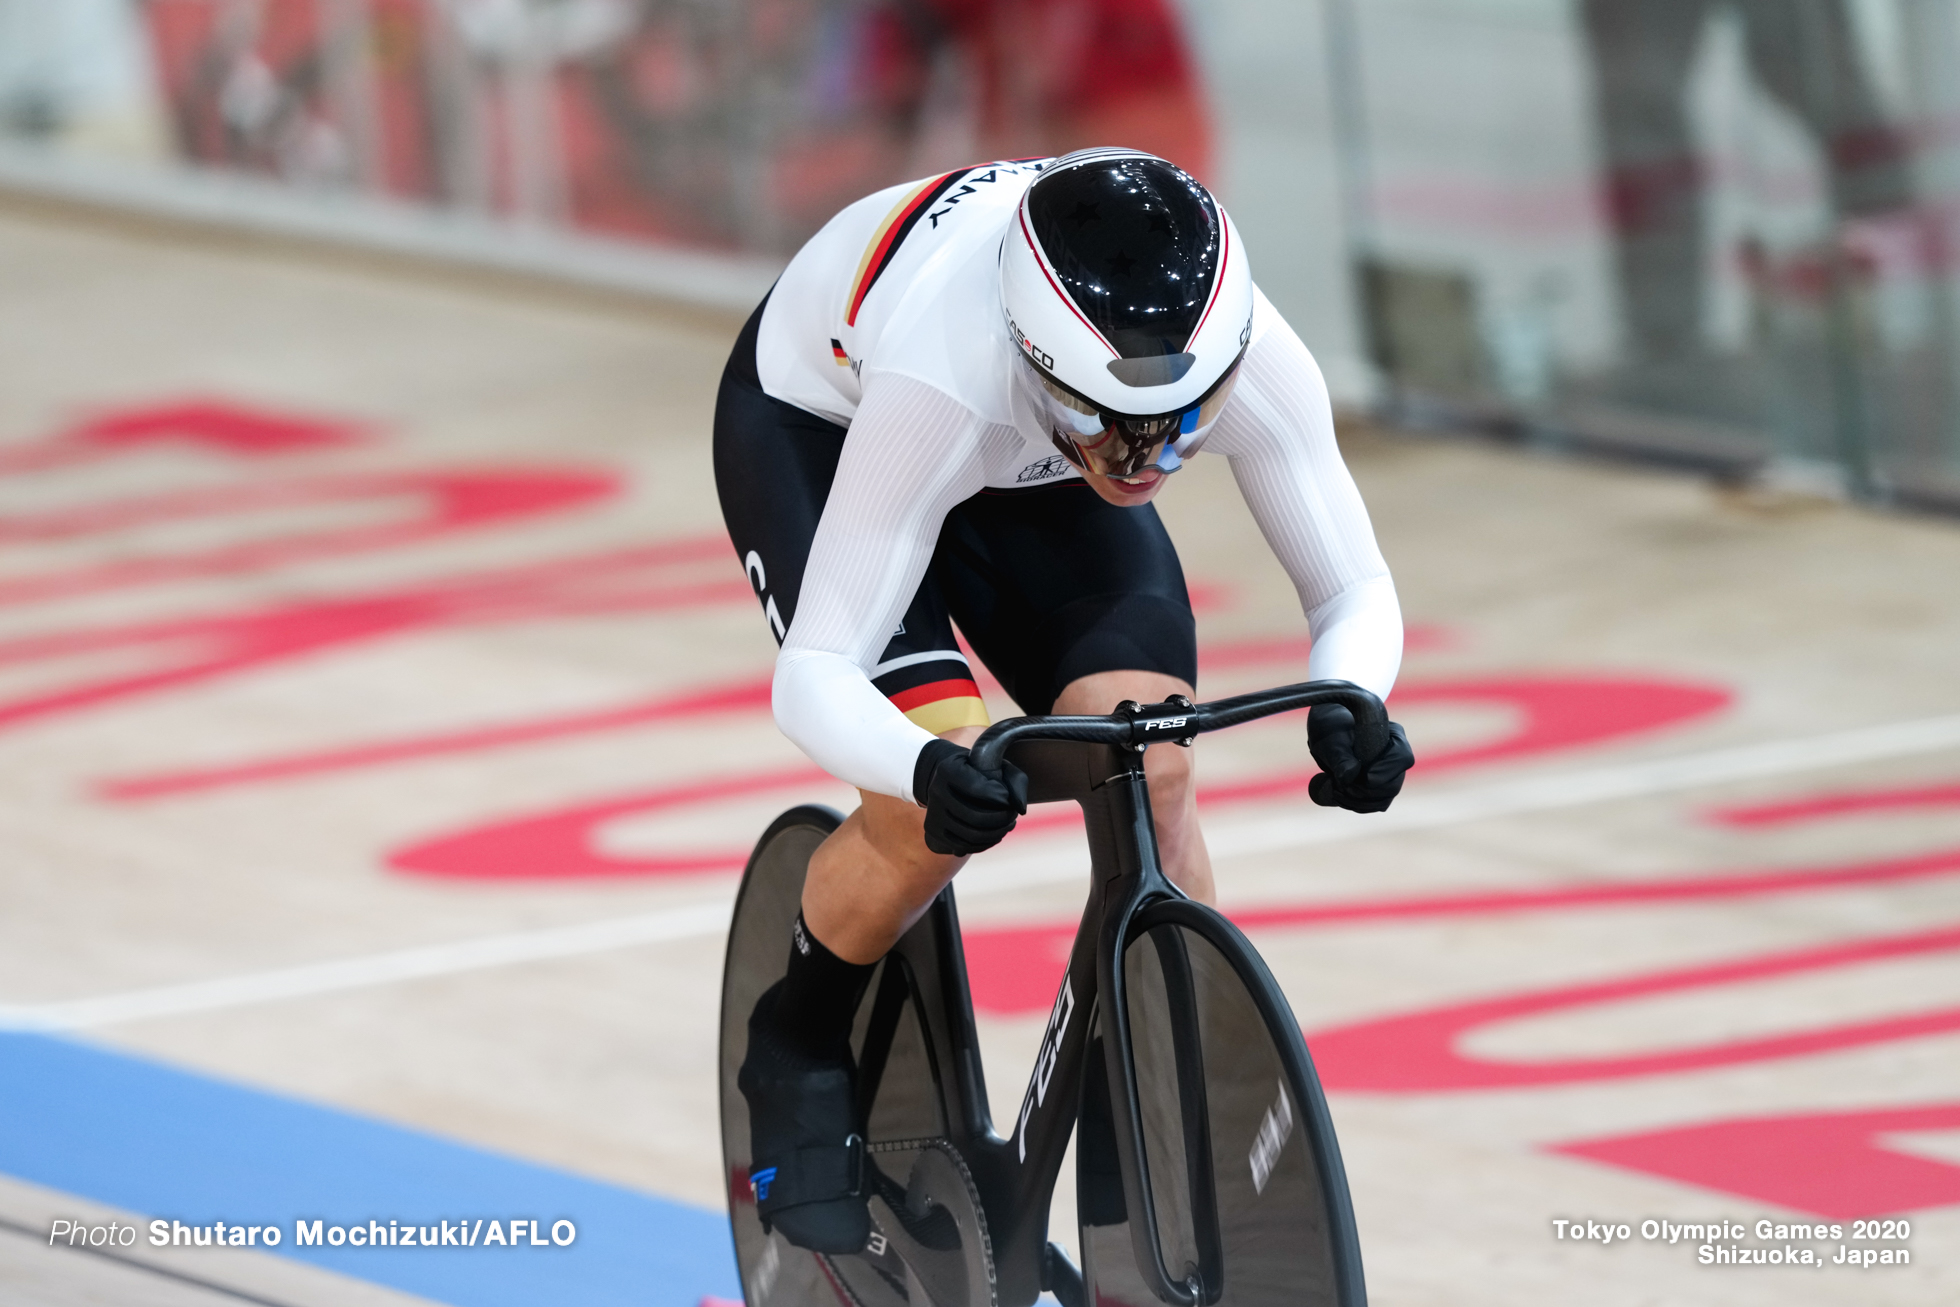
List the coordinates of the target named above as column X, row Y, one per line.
column 1098, row 763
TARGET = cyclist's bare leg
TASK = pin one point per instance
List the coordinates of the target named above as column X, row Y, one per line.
column 1173, row 791
column 874, row 876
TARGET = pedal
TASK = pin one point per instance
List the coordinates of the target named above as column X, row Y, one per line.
column 1059, row 1277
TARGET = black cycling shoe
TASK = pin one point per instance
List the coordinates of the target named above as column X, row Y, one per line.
column 806, row 1148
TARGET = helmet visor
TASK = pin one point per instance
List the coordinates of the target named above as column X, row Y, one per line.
column 1117, row 445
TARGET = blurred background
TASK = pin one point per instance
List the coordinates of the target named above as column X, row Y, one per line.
column 1716, row 232
column 384, row 716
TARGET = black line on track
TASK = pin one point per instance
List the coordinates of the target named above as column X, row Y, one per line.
column 131, row 1262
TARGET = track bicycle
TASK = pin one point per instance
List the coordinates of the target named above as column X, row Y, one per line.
column 1206, row 1164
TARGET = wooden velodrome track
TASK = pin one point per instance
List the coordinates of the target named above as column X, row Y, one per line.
column 383, row 717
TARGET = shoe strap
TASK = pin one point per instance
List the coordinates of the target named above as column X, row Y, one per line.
column 809, row 1175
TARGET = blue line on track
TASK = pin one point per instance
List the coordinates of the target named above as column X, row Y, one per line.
column 171, row 1143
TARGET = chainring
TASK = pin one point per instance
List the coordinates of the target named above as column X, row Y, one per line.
column 937, row 1229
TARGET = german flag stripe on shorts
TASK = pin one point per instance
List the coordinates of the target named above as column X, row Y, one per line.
column 943, row 705
column 938, row 695
column 892, row 232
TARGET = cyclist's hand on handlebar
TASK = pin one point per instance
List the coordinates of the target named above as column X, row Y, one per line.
column 967, row 810
column 1345, row 781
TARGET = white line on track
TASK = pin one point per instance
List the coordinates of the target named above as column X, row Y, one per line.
column 1503, row 798
column 375, row 969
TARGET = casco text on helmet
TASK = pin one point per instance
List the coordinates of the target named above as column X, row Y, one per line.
column 1124, row 281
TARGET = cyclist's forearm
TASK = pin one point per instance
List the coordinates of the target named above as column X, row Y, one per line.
column 1357, row 636
column 829, row 708
column 1278, row 432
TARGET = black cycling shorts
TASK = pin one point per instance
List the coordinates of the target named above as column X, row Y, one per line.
column 1048, row 583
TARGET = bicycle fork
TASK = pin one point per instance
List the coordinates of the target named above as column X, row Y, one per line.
column 1198, row 1281
column 1088, row 1056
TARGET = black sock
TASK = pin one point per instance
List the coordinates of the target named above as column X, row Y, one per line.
column 818, row 999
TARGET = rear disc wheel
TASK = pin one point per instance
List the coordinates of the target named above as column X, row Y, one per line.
column 929, row 1244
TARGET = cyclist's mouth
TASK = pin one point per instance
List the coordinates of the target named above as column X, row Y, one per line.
column 1140, row 484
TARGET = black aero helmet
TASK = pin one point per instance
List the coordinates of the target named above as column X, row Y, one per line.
column 1130, row 301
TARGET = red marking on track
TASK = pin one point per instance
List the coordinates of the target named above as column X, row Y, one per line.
column 218, row 424
column 1211, row 596
column 451, row 501
column 1417, row 1053
column 1837, row 805
column 1014, row 992
column 648, row 578
column 1834, row 1164
column 1559, row 712
column 744, row 696
column 557, row 852
column 560, row 726
column 558, row 844
column 224, row 427
column 1015, row 970
column 1566, row 712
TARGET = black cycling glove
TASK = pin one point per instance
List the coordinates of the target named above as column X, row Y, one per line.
column 1345, row 781
column 967, row 810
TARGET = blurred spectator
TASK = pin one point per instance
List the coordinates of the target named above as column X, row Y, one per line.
column 738, row 122
column 1803, row 53
column 762, row 138
column 75, row 73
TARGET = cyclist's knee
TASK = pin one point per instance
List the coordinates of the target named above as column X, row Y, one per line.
column 1168, row 766
column 1169, row 770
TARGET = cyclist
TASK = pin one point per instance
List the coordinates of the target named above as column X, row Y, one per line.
column 956, row 406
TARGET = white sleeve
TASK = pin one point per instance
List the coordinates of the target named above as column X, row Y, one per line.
column 1278, row 432
column 913, row 452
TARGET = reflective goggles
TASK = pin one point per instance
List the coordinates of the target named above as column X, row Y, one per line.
column 1112, row 445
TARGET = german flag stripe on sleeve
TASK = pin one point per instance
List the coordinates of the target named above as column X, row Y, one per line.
column 892, row 232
